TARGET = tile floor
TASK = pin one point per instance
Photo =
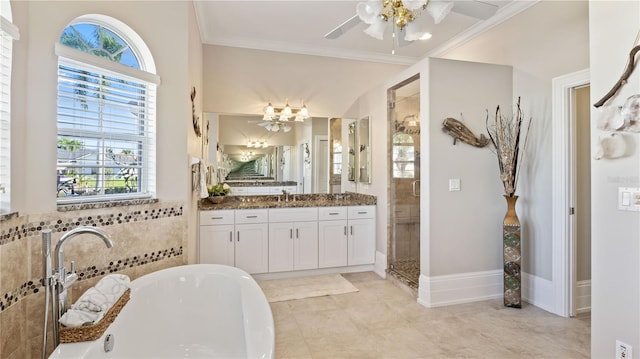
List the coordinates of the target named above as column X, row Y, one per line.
column 384, row 321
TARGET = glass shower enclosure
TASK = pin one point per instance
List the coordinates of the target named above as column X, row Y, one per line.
column 403, row 101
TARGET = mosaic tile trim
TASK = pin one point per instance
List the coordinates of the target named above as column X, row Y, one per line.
column 34, row 286
column 62, row 225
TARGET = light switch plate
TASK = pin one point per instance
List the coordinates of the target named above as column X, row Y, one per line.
column 454, row 184
column 629, row 199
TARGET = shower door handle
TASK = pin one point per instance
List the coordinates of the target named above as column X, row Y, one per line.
column 414, row 183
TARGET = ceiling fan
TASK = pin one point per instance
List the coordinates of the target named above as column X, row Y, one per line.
column 376, row 13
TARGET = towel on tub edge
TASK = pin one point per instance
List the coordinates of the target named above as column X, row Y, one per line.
column 104, row 295
column 96, row 301
column 77, row 318
column 113, row 286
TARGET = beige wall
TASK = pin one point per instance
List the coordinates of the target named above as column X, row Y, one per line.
column 148, row 236
column 537, row 52
column 615, row 248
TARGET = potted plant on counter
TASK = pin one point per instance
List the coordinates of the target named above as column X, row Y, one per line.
column 217, row 192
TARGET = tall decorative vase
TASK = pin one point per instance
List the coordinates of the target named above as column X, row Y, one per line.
column 511, row 255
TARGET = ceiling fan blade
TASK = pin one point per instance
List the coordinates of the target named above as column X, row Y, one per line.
column 343, row 28
column 477, row 9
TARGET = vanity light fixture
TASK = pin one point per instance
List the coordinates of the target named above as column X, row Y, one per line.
column 257, row 144
column 286, row 113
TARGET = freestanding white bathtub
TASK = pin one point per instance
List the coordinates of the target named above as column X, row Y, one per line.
column 191, row 311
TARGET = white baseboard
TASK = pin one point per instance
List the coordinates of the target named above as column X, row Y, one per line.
column 538, row 291
column 583, row 296
column 380, row 266
column 459, row 288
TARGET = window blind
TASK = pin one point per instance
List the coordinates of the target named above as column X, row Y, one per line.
column 8, row 32
column 106, row 134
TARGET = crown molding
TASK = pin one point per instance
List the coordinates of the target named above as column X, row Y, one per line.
column 503, row 14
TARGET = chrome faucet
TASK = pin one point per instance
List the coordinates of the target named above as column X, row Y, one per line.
column 286, row 195
column 60, row 280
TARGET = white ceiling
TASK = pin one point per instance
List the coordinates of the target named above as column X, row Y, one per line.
column 299, row 27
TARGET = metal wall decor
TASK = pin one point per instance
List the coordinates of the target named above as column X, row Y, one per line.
column 459, row 131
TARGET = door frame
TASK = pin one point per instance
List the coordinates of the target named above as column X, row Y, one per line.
column 563, row 244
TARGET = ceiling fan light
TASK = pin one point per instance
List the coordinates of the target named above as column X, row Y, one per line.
column 414, row 4
column 376, row 29
column 368, row 11
column 439, row 10
column 412, row 33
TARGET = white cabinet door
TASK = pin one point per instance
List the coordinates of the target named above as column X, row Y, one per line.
column 281, row 247
column 293, row 246
column 216, row 244
column 305, row 245
column 362, row 241
column 332, row 243
column 252, row 247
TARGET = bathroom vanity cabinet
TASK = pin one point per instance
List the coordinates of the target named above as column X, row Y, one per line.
column 235, row 238
column 346, row 236
column 288, row 239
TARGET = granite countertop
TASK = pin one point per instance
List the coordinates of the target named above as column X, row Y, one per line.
column 261, row 183
column 301, row 200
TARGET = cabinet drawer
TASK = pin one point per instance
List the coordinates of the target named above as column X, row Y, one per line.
column 330, row 213
column 216, row 217
column 362, row 212
column 251, row 216
column 293, row 214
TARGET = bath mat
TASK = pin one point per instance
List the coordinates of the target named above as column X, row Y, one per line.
column 278, row 290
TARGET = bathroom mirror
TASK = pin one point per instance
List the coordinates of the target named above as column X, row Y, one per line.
column 351, row 158
column 363, row 136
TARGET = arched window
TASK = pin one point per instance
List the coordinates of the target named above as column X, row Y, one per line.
column 403, row 155
column 8, row 33
column 106, row 112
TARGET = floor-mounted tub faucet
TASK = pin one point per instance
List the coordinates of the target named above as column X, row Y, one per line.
column 60, row 280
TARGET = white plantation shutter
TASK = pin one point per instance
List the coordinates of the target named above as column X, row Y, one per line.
column 8, row 33
column 106, row 134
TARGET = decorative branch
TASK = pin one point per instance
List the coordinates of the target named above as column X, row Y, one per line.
column 631, row 64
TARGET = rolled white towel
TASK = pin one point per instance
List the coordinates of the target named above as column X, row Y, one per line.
column 77, row 318
column 113, row 286
column 92, row 301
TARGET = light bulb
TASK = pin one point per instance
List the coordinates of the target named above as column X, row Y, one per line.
column 269, row 110
column 249, row 144
column 286, row 111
